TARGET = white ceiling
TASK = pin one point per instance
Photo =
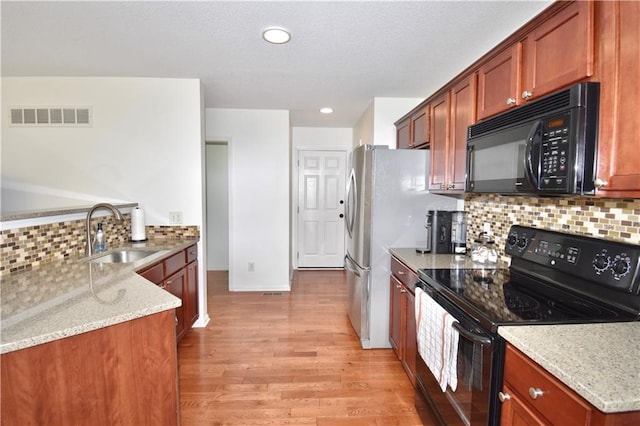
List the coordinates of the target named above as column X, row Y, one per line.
column 342, row 53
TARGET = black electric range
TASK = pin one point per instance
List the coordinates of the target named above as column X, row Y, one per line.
column 554, row 278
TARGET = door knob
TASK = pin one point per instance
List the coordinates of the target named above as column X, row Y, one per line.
column 341, row 215
column 341, row 201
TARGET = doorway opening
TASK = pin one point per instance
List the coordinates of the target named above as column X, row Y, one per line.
column 217, row 201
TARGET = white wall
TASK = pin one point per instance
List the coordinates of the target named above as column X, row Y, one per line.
column 217, row 206
column 375, row 126
column 145, row 144
column 363, row 130
column 312, row 138
column 386, row 112
column 259, row 195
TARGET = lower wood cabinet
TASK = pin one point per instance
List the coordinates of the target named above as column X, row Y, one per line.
column 178, row 274
column 124, row 374
column 531, row 396
column 402, row 324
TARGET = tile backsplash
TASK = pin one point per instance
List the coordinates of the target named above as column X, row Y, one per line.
column 24, row 248
column 609, row 219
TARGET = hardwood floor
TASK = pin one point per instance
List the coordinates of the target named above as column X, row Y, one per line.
column 288, row 358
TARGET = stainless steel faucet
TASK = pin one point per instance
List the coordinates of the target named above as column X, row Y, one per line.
column 99, row 206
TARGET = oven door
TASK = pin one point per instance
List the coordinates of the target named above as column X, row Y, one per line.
column 479, row 376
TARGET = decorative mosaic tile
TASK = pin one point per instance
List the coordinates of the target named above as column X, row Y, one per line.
column 31, row 246
column 609, row 219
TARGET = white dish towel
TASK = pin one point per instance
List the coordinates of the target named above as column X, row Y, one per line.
column 437, row 340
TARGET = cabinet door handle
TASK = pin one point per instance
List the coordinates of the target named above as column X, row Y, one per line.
column 511, row 101
column 600, row 183
column 403, row 290
column 503, row 396
column 526, row 94
column 535, row 393
column 398, row 286
column 175, row 317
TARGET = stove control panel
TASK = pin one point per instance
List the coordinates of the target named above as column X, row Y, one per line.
column 607, row 263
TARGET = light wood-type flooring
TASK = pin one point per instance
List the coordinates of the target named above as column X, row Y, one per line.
column 288, row 358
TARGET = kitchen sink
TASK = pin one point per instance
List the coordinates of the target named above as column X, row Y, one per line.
column 123, row 256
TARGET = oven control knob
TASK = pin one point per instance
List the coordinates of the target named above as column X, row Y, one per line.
column 522, row 242
column 601, row 262
column 621, row 266
column 512, row 240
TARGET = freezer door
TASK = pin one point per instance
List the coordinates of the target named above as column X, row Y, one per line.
column 358, row 208
column 358, row 299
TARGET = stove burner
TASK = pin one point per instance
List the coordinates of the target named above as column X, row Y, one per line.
column 518, row 302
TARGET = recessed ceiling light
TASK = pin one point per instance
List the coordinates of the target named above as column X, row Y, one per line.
column 326, row 110
column 276, row 35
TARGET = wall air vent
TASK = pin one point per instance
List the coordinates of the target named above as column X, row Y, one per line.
column 50, row 116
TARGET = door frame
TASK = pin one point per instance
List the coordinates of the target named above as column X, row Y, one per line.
column 295, row 176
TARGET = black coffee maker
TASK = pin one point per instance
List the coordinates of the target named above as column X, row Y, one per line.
column 438, row 226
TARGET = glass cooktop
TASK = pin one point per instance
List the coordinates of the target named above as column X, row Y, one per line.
column 504, row 297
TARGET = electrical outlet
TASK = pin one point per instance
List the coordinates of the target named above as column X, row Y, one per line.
column 251, row 267
column 175, row 218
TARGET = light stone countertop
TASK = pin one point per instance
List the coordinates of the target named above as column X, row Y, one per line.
column 416, row 261
column 68, row 297
column 600, row 362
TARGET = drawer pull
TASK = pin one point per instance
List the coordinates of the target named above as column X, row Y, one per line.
column 535, row 393
column 403, row 290
column 503, row 396
column 401, row 272
column 398, row 286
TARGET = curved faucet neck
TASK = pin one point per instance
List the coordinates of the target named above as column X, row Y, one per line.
column 106, row 206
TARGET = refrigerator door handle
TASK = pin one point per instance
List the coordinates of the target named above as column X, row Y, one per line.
column 350, row 206
column 351, row 266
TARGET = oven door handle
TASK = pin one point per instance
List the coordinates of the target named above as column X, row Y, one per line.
column 484, row 341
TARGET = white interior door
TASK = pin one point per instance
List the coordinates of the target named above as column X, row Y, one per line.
column 321, row 192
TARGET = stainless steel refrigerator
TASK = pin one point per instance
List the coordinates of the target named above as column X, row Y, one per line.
column 386, row 206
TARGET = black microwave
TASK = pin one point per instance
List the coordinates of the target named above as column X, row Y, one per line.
column 545, row 147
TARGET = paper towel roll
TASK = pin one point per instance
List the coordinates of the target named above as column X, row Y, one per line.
column 137, row 225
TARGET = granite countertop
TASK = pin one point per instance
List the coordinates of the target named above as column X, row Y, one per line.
column 415, row 260
column 72, row 296
column 597, row 361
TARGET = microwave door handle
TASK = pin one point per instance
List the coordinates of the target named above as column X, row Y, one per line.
column 484, row 341
column 528, row 157
column 471, row 166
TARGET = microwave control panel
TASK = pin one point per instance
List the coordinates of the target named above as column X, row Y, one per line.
column 554, row 152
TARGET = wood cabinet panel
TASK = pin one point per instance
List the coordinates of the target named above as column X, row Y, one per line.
column 556, row 403
column 403, row 134
column 155, row 273
column 176, row 285
column 420, row 128
column 121, row 374
column 618, row 148
column 557, row 52
column 560, row 50
column 463, row 114
column 499, row 82
column 192, row 293
column 395, row 323
column 402, row 324
column 410, row 341
column 439, row 141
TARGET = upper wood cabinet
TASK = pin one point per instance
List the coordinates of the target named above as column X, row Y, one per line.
column 412, row 131
column 559, row 51
column 618, row 168
column 452, row 112
column 403, row 133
